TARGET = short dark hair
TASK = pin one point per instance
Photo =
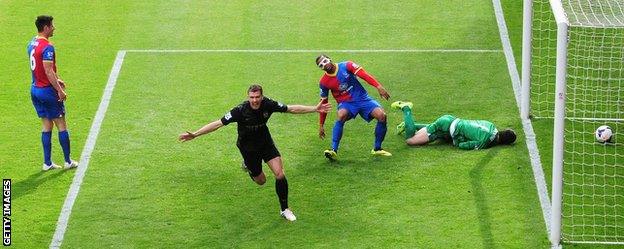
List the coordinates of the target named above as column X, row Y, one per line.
column 319, row 58
column 255, row 88
column 507, row 136
column 43, row 21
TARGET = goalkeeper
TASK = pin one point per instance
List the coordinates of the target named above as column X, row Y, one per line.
column 466, row 134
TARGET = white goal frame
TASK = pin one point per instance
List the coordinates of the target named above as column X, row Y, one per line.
column 560, row 91
column 559, row 118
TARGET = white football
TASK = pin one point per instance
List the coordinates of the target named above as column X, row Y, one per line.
column 603, row 133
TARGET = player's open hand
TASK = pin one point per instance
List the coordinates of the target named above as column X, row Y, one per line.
column 384, row 94
column 187, row 136
column 61, row 83
column 62, row 96
column 323, row 107
column 321, row 132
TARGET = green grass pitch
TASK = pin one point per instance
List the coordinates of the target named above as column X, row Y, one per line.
column 143, row 189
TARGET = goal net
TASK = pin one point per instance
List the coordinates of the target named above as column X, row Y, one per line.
column 591, row 63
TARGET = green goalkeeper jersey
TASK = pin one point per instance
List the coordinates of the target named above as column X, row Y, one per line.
column 472, row 134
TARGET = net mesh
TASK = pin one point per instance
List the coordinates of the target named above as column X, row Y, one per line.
column 594, row 172
column 593, row 179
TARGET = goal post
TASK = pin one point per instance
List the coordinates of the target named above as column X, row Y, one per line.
column 573, row 73
column 559, row 120
column 527, row 34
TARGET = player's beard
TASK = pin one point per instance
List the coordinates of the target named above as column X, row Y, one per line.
column 255, row 106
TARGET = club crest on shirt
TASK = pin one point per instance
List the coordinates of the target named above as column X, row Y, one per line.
column 343, row 87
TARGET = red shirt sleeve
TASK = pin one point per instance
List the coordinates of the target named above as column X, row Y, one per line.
column 360, row 72
column 323, row 115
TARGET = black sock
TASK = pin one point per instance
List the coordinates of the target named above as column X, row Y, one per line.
column 281, row 188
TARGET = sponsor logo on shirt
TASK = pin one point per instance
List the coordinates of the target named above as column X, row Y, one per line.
column 254, row 127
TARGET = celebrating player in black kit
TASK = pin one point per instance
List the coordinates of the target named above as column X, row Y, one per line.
column 254, row 139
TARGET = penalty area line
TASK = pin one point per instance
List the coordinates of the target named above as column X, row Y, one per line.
column 61, row 224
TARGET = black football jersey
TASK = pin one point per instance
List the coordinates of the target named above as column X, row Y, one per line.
column 253, row 133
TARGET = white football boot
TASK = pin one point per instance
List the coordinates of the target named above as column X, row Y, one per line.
column 50, row 167
column 287, row 214
column 73, row 164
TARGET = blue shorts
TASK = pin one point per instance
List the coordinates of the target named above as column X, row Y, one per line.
column 45, row 101
column 364, row 108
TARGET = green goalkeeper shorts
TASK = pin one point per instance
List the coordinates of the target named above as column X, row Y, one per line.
column 440, row 127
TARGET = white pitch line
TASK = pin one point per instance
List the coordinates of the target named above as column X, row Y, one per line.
column 538, row 172
column 61, row 224
column 314, row 50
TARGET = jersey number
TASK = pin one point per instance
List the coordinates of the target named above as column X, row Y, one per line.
column 32, row 60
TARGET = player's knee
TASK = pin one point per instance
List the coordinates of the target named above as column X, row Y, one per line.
column 410, row 142
column 343, row 115
column 280, row 175
column 379, row 114
column 415, row 142
column 260, row 179
column 46, row 128
column 47, row 125
column 60, row 124
column 381, row 117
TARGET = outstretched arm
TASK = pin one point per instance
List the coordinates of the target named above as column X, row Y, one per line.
column 373, row 82
column 300, row 109
column 213, row 126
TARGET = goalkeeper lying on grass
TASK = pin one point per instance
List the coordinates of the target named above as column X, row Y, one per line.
column 466, row 134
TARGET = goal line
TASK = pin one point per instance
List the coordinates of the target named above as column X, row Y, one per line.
column 442, row 50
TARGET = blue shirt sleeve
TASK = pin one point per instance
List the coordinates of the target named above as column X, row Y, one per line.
column 324, row 91
column 48, row 53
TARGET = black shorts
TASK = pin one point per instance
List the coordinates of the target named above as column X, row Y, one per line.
column 253, row 159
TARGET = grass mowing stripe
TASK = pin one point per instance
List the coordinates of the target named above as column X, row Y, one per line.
column 61, row 224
